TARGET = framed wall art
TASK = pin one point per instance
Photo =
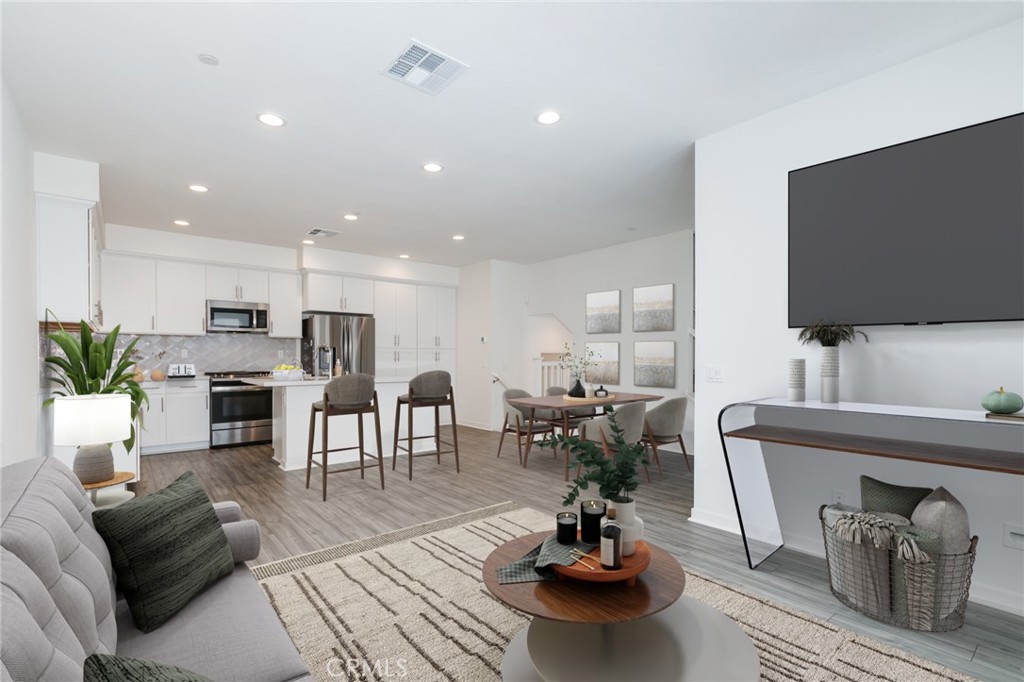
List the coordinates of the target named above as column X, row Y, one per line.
column 606, row 357
column 603, row 315
column 654, row 309
column 654, row 364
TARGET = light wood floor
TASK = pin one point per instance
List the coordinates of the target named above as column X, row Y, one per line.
column 294, row 520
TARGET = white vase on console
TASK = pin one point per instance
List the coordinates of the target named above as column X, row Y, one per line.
column 632, row 525
column 830, row 374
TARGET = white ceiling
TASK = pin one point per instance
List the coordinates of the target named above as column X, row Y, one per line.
column 120, row 84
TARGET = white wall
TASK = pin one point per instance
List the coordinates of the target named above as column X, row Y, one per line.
column 140, row 241
column 741, row 269
column 19, row 333
column 559, row 287
column 328, row 260
column 473, row 359
column 507, row 334
column 64, row 177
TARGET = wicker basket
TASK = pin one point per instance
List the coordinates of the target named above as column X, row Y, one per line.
column 878, row 583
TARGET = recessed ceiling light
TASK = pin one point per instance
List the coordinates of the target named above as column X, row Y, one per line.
column 404, row 255
column 209, row 59
column 308, row 241
column 458, row 237
column 182, row 223
column 269, row 119
column 433, row 167
column 351, row 216
column 198, row 188
column 548, row 117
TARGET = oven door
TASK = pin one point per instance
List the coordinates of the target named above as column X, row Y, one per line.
column 240, row 413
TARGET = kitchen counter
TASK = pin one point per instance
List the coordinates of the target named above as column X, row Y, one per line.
column 292, row 400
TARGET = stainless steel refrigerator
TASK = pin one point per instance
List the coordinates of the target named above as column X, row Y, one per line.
column 334, row 337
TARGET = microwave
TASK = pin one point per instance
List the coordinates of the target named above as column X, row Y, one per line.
column 233, row 316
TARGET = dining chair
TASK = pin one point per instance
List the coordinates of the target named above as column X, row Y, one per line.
column 663, row 425
column 629, row 418
column 351, row 394
column 428, row 389
column 516, row 421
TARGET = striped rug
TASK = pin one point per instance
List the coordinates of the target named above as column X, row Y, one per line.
column 411, row 605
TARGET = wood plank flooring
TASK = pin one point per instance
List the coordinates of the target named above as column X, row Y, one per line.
column 294, row 520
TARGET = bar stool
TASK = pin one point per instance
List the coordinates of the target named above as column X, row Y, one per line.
column 349, row 394
column 429, row 389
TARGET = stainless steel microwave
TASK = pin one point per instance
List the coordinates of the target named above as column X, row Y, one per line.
column 233, row 316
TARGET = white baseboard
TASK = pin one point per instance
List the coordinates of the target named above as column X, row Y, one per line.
column 714, row 520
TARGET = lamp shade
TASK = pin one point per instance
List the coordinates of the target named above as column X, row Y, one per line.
column 91, row 419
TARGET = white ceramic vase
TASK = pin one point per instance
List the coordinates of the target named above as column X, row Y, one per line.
column 830, row 374
column 632, row 525
column 797, row 380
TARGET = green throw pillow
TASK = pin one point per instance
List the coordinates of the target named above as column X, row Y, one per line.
column 110, row 668
column 879, row 496
column 166, row 548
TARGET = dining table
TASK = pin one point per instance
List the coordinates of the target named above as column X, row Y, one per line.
column 561, row 405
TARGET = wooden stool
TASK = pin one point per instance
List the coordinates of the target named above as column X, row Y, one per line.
column 349, row 394
column 429, row 389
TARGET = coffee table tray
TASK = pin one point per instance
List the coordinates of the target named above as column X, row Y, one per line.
column 632, row 566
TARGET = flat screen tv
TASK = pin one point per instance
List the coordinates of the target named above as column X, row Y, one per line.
column 923, row 232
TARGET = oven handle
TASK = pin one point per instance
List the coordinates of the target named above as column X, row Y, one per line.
column 236, row 389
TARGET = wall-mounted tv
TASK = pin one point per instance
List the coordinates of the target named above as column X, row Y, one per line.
column 922, row 232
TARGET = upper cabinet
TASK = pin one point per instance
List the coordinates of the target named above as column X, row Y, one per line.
column 394, row 312
column 285, row 305
column 435, row 313
column 128, row 293
column 237, row 284
column 338, row 294
column 180, row 302
column 65, row 258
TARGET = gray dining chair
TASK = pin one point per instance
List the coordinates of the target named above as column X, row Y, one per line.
column 516, row 421
column 664, row 425
column 629, row 417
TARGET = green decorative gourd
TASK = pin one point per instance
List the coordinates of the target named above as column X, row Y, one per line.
column 1002, row 402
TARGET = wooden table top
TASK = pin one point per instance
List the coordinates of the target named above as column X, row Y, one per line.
column 557, row 402
column 576, row 601
column 119, row 478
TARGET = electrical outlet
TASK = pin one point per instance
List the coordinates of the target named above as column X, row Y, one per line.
column 280, row 355
column 840, row 497
column 1013, row 536
column 714, row 374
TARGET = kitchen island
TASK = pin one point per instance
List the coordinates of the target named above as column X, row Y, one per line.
column 292, row 400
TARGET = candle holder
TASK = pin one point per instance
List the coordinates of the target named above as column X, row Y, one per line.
column 591, row 511
column 565, row 528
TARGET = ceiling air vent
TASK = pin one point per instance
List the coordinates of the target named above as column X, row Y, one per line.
column 424, row 68
column 318, row 232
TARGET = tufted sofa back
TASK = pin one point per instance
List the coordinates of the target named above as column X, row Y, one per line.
column 58, row 597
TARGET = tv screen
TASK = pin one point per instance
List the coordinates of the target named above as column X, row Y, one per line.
column 926, row 231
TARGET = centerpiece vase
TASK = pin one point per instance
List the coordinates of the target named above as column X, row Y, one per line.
column 830, row 374
column 632, row 525
column 577, row 391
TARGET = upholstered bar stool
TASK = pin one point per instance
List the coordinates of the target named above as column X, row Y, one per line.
column 344, row 395
column 429, row 389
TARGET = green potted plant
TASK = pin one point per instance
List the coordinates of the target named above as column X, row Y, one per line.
column 88, row 367
column 616, row 476
column 830, row 334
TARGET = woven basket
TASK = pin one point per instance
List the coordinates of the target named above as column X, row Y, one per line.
column 876, row 582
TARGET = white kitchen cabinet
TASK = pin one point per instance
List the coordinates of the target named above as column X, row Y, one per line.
column 394, row 313
column 285, row 300
column 441, row 359
column 180, row 298
column 338, row 294
column 236, row 284
column 154, row 420
column 64, row 258
column 391, row 362
column 435, row 317
column 178, row 417
column 128, row 293
column 188, row 417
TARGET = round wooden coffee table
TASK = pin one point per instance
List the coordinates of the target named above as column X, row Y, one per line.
column 609, row 631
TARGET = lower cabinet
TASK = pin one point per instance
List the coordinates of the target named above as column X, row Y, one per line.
column 178, row 418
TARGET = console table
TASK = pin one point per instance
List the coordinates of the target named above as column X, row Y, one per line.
column 958, row 438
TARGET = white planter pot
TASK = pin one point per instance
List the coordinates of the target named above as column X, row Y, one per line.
column 830, row 374
column 632, row 525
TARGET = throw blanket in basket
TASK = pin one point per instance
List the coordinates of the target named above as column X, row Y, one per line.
column 862, row 558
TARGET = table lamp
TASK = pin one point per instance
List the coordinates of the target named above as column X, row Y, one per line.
column 92, row 422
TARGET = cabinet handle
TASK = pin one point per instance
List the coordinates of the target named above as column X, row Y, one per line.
column 241, row 293
column 161, row 404
column 399, row 337
column 207, row 402
column 152, row 322
column 202, row 323
column 341, row 302
column 271, row 326
column 346, row 302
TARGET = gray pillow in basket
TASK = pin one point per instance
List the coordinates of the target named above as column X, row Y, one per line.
column 943, row 513
column 879, row 496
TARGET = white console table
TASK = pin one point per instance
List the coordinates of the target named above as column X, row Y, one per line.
column 958, row 438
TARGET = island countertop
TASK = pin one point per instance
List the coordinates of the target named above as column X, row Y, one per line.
column 284, row 383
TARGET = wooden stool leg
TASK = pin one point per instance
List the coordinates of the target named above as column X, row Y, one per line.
column 362, row 448
column 504, row 428
column 519, row 442
column 380, row 449
column 309, row 450
column 324, row 435
column 437, row 431
column 685, row 456
column 398, row 420
column 409, row 435
column 455, row 436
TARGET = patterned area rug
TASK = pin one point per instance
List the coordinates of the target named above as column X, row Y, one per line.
column 412, row 605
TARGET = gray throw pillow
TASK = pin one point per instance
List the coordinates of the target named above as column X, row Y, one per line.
column 110, row 668
column 166, row 548
column 879, row 496
column 942, row 513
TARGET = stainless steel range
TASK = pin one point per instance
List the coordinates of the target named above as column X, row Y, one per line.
column 240, row 413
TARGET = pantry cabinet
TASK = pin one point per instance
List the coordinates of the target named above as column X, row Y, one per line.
column 435, row 317
column 237, row 284
column 394, row 312
column 338, row 294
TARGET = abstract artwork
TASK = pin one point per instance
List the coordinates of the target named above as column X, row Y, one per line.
column 603, row 312
column 606, row 367
column 654, row 363
column 653, row 309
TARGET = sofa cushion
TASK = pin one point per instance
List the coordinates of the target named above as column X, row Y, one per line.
column 107, row 668
column 55, row 575
column 166, row 548
column 227, row 633
column 879, row 496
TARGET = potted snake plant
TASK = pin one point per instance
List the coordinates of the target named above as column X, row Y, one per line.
column 830, row 334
